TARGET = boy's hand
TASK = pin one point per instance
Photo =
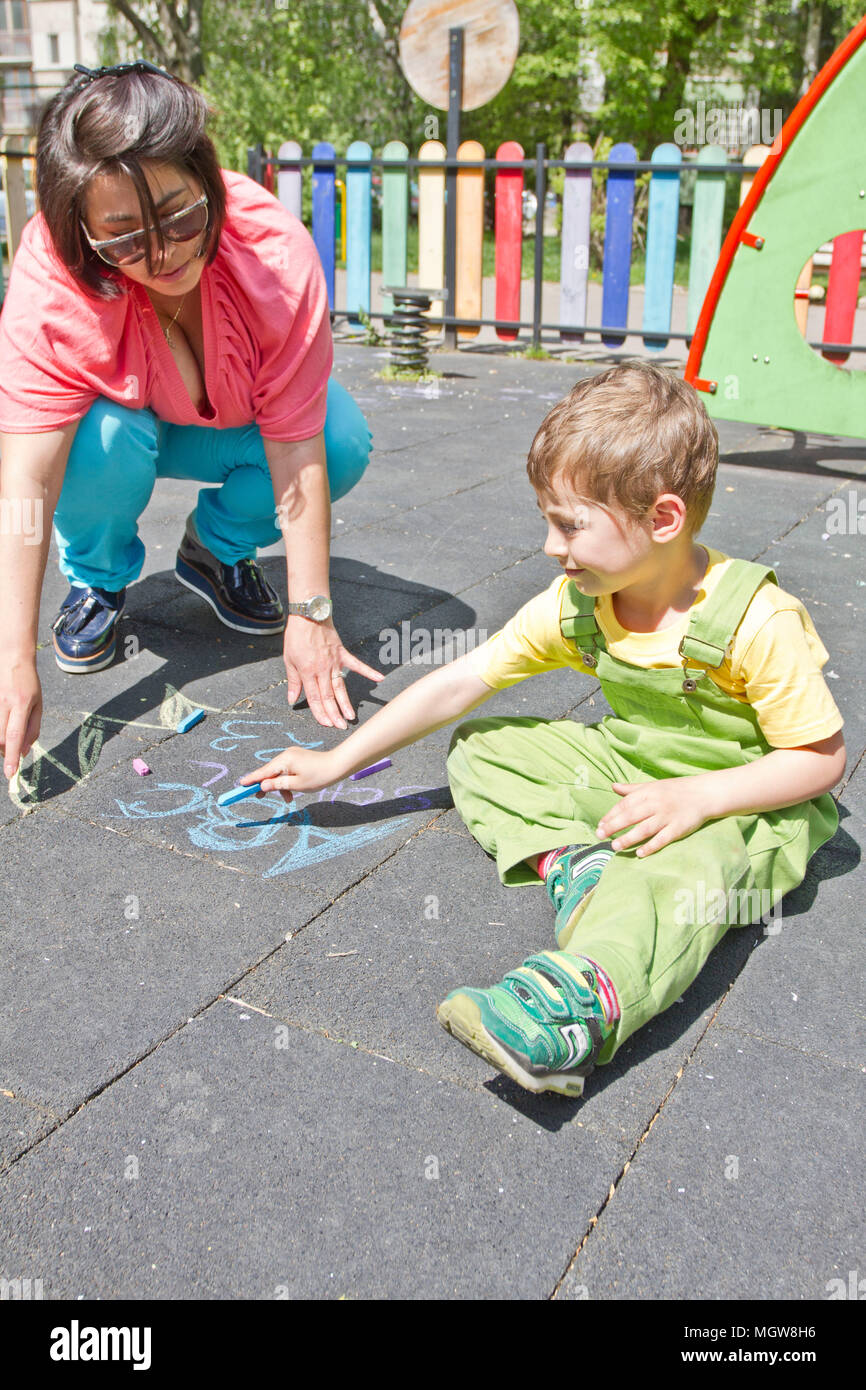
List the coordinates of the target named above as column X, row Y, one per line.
column 295, row 770
column 659, row 812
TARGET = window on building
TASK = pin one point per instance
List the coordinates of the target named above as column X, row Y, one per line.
column 54, row 45
column 17, row 97
column 14, row 34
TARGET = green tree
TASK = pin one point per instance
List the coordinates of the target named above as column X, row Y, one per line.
column 658, row 57
column 329, row 69
column 172, row 40
column 317, row 70
column 542, row 98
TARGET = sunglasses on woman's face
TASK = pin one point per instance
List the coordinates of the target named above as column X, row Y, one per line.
column 130, row 248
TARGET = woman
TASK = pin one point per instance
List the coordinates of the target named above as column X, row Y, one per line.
column 198, row 348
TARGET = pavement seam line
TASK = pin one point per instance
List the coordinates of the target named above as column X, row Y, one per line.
column 726, row 1028
column 70, row 814
column 854, row 770
column 406, row 511
column 249, row 970
column 320, row 1032
column 789, row 1047
column 594, row 1221
column 800, row 521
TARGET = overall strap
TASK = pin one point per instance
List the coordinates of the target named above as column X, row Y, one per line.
column 710, row 628
column 578, row 625
column 713, row 624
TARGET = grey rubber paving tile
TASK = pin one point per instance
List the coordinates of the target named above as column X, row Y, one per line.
column 431, row 544
column 73, row 746
column 375, row 967
column 200, row 657
column 214, row 1170
column 175, row 670
column 402, row 481
column 824, row 574
column 781, row 450
column 110, row 946
column 745, row 521
column 810, row 967
column 271, row 1179
column 21, row 1124
column 747, row 1186
column 326, row 840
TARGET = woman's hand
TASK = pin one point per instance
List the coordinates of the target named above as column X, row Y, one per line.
column 315, row 660
column 659, row 812
column 20, row 709
column 295, row 770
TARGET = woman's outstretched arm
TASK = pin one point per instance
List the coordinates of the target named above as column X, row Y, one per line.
column 313, row 652
column 32, row 467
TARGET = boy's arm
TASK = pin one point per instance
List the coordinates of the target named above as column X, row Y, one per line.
column 654, row 813
column 426, row 705
column 784, row 777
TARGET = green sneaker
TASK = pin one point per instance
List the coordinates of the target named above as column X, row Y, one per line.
column 544, row 1025
column 570, row 884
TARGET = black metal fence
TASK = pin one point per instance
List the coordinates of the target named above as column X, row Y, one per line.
column 258, row 161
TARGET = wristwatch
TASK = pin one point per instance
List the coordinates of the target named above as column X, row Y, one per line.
column 319, row 608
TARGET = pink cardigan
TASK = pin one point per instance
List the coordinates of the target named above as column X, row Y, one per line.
column 267, row 334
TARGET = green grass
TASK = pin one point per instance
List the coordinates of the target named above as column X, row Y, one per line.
column 551, row 264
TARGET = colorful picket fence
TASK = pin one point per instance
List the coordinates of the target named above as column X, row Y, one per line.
column 16, row 173
column 342, row 210
column 666, row 167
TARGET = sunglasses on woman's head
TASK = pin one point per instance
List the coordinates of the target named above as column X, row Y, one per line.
column 130, row 248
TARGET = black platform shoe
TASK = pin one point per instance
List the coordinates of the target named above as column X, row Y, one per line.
column 239, row 594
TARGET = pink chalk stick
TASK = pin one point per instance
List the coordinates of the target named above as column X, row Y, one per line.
column 140, row 766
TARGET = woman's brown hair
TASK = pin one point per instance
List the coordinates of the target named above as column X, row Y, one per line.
column 113, row 124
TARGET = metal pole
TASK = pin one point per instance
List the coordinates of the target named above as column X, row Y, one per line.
column 455, row 101
column 256, row 162
column 538, row 283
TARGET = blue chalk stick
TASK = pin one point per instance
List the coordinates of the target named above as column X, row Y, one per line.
column 191, row 719
column 238, row 794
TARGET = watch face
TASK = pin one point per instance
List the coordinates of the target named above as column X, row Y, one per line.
column 319, row 608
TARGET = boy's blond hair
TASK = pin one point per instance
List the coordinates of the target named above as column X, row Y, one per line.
column 626, row 436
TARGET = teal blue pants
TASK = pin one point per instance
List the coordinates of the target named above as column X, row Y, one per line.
column 118, row 454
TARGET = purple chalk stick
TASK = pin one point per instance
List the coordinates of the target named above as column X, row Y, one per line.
column 141, row 767
column 366, row 771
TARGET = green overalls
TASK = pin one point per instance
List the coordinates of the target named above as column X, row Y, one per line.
column 527, row 785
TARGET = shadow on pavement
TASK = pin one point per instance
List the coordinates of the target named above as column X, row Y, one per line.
column 192, row 655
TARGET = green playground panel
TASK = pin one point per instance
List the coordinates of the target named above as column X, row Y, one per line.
column 765, row 370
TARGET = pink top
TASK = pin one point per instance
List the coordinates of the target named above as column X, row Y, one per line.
column 267, row 333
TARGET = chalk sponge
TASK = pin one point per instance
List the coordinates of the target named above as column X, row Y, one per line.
column 190, row 721
column 238, row 794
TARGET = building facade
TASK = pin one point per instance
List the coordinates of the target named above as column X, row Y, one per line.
column 40, row 42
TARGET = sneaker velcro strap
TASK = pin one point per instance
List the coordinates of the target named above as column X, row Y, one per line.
column 579, row 1000
column 552, row 1006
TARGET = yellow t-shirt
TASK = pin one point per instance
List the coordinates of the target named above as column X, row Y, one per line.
column 774, row 663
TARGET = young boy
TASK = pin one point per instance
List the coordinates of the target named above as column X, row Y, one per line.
column 704, row 792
